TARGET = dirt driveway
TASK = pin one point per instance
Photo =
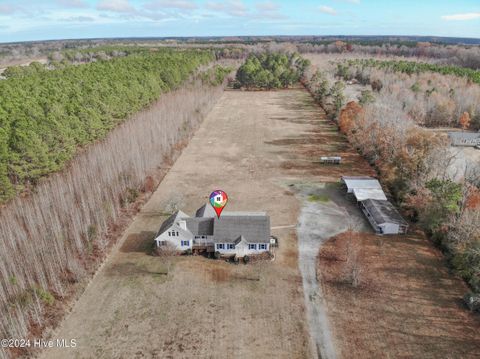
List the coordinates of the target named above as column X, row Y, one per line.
column 253, row 145
column 325, row 213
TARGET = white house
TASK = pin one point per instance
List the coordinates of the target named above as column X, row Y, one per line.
column 233, row 234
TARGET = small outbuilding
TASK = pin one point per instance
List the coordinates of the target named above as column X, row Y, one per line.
column 384, row 217
column 335, row 160
column 469, row 139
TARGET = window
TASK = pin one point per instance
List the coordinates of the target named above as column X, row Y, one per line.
column 230, row 246
column 177, row 234
column 220, row 246
column 252, row 246
column 163, row 243
column 185, row 243
column 173, row 234
column 262, row 246
column 169, row 234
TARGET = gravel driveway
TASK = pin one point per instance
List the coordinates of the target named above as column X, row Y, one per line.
column 318, row 221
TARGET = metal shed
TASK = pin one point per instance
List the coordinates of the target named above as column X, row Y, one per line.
column 384, row 217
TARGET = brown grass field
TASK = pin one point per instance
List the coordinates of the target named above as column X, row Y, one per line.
column 140, row 306
column 256, row 146
column 407, row 305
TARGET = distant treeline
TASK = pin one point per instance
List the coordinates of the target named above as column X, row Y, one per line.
column 270, row 70
column 45, row 115
column 107, row 52
column 413, row 67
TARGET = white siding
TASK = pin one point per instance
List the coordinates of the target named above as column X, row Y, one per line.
column 390, row 228
column 242, row 249
column 176, row 241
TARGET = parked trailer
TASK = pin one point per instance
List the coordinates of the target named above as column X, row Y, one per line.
column 336, row 160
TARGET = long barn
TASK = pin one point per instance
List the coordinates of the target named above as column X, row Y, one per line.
column 384, row 217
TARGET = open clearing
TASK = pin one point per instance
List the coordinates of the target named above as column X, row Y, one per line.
column 407, row 306
column 262, row 148
column 252, row 145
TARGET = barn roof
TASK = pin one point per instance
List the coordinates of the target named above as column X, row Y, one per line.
column 361, row 194
column 254, row 229
column 353, row 182
column 383, row 212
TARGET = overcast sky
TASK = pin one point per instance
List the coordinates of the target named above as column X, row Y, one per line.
column 22, row 20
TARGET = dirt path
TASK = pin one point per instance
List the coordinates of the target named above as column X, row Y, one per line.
column 318, row 222
column 139, row 306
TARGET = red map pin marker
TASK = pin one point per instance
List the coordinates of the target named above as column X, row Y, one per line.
column 218, row 200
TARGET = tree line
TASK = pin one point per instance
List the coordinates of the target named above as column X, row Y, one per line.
column 414, row 67
column 384, row 125
column 460, row 55
column 63, row 228
column 431, row 98
column 46, row 115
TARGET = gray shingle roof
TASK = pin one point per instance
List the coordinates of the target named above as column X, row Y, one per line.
column 206, row 211
column 170, row 220
column 252, row 226
column 383, row 212
column 200, row 226
column 255, row 229
column 167, row 224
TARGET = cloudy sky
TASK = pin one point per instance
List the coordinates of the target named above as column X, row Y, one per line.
column 22, row 20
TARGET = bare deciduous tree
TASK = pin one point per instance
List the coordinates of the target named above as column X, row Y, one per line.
column 47, row 237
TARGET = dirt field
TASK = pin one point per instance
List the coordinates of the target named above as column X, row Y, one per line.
column 252, row 145
column 407, row 304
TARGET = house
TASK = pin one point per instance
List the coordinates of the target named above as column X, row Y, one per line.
column 383, row 217
column 471, row 139
column 237, row 234
column 364, row 187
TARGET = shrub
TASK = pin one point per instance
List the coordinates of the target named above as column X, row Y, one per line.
column 44, row 295
column 472, row 301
